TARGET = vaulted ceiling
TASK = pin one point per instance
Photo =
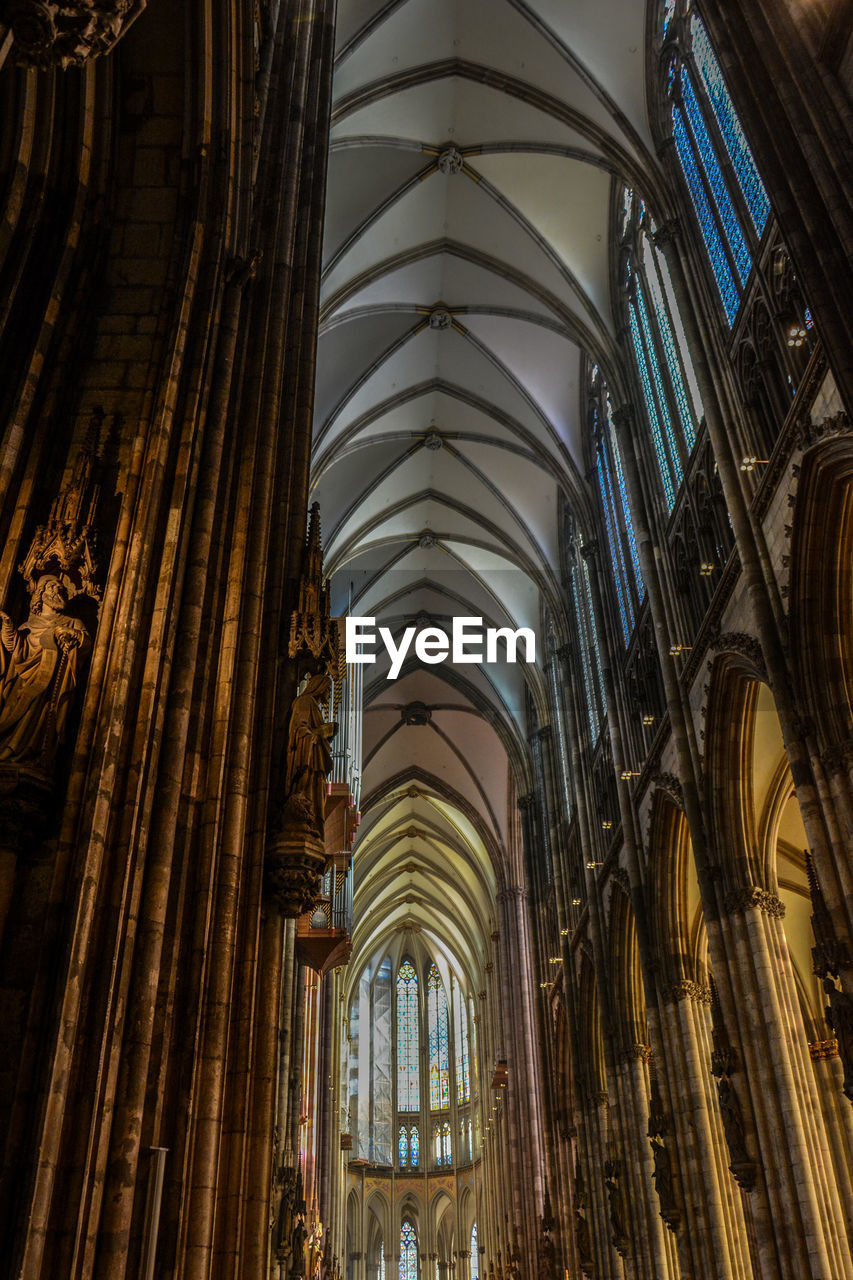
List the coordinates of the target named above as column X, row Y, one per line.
column 477, row 153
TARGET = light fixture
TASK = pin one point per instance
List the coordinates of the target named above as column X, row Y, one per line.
column 576, row 902
column 706, row 568
column 590, row 866
column 555, row 960
column 628, row 774
column 796, row 335
column 606, row 824
column 750, row 462
column 676, row 649
column 564, row 933
column 648, row 720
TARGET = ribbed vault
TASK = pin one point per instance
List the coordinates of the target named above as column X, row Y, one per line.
column 477, row 152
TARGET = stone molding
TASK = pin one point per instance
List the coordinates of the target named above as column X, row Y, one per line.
column 754, row 897
column 67, row 34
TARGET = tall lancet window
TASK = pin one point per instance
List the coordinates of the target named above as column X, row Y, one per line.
column 408, row 1074
column 728, row 196
column 621, row 539
column 460, row 1035
column 670, row 392
column 590, row 657
column 408, row 1252
column 439, row 1054
column 475, row 1254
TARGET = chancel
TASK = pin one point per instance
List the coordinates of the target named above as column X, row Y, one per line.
column 426, row 640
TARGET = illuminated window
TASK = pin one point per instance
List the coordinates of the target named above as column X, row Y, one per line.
column 588, row 640
column 729, row 199
column 408, row 1079
column 403, row 1146
column 475, row 1254
column 460, row 1033
column 441, row 1143
column 408, row 1252
column 670, row 392
column 380, row 1275
column 414, row 1147
column 439, row 1056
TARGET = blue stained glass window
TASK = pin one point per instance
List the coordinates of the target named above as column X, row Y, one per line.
column 475, row 1254
column 737, row 146
column 616, row 559
column 403, row 1146
column 668, row 14
column 626, row 506
column 408, row 1079
column 651, row 408
column 460, row 1032
column 673, row 363
column 663, row 405
column 590, row 658
column 730, row 220
column 717, row 254
column 439, row 1057
column 809, row 320
column 414, row 1147
column 408, row 1252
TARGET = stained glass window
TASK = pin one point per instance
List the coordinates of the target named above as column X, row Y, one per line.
column 460, row 1033
column 737, row 146
column 651, row 407
column 730, row 201
column 414, row 1147
column 441, row 1143
column 408, row 1252
column 380, row 1275
column 590, row 658
column 403, row 1146
column 439, row 1056
column 408, row 1080
column 475, row 1254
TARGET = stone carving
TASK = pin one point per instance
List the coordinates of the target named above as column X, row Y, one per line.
column 40, row 664
column 663, row 1175
column 724, row 1063
column 296, row 851
column 753, row 896
column 669, row 783
column 68, row 33
column 740, row 642
column 839, row 1015
column 309, row 759
column 440, row 318
column 809, row 433
column 689, row 990
column 42, row 659
column 829, row 954
column 615, row 1196
column 450, row 161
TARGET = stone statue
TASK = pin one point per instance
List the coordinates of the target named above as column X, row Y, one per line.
column 614, row 1196
column 664, row 1183
column 583, row 1241
column 839, row 1016
column 743, row 1167
column 297, row 1250
column 40, row 665
column 309, row 760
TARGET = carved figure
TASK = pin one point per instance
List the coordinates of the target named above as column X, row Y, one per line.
column 309, row 760
column 40, row 665
column 297, row 1250
column 614, row 1196
column 839, row 1016
column 664, row 1183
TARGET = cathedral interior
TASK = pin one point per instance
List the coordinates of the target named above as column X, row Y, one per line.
column 387, row 960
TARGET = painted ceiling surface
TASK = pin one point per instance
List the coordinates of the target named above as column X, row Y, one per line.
column 474, row 150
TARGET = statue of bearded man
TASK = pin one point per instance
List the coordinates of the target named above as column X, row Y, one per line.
column 40, row 665
column 309, row 759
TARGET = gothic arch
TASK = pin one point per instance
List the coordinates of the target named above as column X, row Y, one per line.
column 626, row 980
column 821, row 589
column 675, row 912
